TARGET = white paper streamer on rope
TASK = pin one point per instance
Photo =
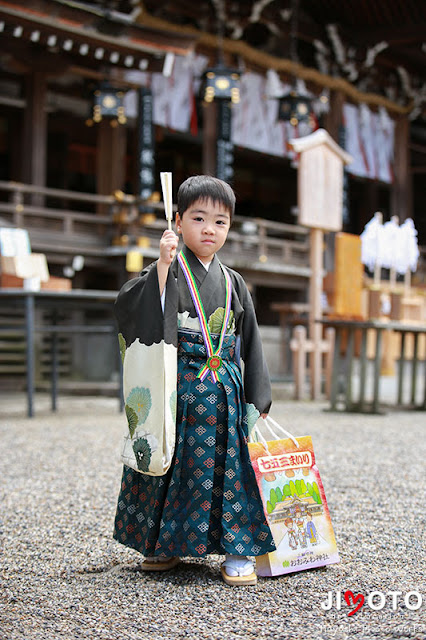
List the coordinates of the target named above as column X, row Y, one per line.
column 372, row 248
column 390, row 245
column 407, row 251
column 372, row 52
column 322, row 55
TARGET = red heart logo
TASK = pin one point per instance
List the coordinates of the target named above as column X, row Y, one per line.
column 352, row 600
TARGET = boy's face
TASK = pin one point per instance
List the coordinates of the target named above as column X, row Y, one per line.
column 204, row 227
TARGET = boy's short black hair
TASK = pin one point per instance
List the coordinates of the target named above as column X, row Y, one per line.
column 205, row 188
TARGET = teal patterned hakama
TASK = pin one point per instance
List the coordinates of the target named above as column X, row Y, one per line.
column 208, row 502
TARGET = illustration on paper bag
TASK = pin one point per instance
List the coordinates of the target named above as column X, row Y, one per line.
column 296, row 507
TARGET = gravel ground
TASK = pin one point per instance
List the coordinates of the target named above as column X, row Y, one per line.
column 63, row 576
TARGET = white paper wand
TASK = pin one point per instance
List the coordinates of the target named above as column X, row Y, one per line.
column 166, row 185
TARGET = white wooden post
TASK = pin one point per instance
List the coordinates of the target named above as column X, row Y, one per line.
column 315, row 309
column 330, row 334
column 392, row 272
column 320, row 198
column 377, row 265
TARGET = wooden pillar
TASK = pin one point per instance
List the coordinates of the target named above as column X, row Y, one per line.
column 402, row 187
column 334, row 118
column 111, row 158
column 209, row 138
column 34, row 151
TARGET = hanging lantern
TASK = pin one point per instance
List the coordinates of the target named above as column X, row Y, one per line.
column 108, row 103
column 294, row 108
column 221, row 83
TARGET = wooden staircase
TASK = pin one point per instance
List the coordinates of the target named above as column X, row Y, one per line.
column 13, row 351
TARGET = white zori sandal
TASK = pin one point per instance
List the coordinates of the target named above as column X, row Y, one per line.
column 238, row 571
column 158, row 563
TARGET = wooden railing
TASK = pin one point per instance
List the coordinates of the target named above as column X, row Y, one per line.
column 21, row 206
column 269, row 241
column 70, row 221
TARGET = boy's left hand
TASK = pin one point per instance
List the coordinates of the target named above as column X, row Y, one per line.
column 264, row 415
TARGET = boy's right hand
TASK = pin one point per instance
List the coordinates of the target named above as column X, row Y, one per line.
column 168, row 245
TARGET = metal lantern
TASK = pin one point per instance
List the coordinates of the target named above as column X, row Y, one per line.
column 221, row 83
column 108, row 103
column 294, row 108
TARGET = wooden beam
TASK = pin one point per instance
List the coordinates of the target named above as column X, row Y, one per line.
column 134, row 39
column 26, row 56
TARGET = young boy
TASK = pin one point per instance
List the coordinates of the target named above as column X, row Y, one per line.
column 208, row 501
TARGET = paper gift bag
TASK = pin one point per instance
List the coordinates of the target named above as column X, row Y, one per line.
column 294, row 502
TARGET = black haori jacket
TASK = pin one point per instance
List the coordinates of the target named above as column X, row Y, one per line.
column 148, row 344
